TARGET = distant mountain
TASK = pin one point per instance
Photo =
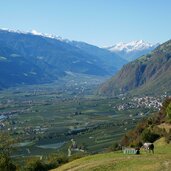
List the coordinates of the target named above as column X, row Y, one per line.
column 149, row 74
column 28, row 58
column 133, row 49
column 111, row 61
column 16, row 69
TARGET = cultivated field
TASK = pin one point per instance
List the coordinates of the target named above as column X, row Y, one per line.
column 43, row 119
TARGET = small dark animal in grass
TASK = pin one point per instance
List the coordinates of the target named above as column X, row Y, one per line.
column 149, row 147
column 137, row 150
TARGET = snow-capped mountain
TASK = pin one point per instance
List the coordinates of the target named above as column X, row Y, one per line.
column 131, row 46
column 35, row 32
column 34, row 58
column 133, row 49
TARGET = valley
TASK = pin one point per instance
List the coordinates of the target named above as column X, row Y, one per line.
column 58, row 101
column 44, row 118
column 85, row 85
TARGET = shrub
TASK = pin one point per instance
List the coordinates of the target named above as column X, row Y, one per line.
column 136, row 143
column 149, row 136
column 6, row 143
column 6, row 164
column 168, row 111
column 168, row 137
column 56, row 160
column 36, row 165
column 115, row 147
column 77, row 156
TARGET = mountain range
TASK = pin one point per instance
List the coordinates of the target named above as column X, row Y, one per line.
column 149, row 74
column 31, row 58
column 132, row 50
column 34, row 58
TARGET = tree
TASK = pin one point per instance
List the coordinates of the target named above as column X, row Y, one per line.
column 6, row 163
column 36, row 165
column 149, row 136
column 115, row 147
column 5, row 152
column 168, row 111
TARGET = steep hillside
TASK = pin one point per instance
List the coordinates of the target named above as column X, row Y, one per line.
column 149, row 74
column 48, row 58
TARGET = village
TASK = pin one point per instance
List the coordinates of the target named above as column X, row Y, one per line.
column 147, row 102
column 27, row 106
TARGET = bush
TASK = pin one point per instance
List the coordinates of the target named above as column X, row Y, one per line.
column 168, row 111
column 148, row 136
column 6, row 143
column 51, row 162
column 168, row 137
column 115, row 147
column 6, row 164
column 36, row 165
column 136, row 143
column 77, row 156
column 56, row 160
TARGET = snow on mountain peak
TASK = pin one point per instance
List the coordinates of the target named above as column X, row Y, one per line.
column 52, row 36
column 135, row 45
column 35, row 32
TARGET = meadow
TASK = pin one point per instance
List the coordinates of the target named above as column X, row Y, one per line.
column 160, row 160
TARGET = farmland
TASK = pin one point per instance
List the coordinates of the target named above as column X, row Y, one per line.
column 43, row 119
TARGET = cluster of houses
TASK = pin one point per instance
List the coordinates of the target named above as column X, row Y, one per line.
column 138, row 102
column 74, row 147
column 125, row 106
column 6, row 115
column 2, row 119
column 148, row 102
column 35, row 130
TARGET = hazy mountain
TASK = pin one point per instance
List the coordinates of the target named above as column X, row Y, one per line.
column 132, row 50
column 111, row 61
column 15, row 69
column 148, row 74
column 34, row 57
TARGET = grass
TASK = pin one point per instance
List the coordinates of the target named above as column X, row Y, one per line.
column 159, row 161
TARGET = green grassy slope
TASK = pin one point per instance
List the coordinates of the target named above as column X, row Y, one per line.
column 161, row 160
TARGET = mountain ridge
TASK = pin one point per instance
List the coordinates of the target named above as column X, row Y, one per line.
column 147, row 74
column 50, row 57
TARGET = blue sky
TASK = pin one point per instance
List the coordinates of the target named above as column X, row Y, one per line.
column 99, row 22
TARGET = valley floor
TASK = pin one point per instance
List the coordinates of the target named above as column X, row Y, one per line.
column 160, row 161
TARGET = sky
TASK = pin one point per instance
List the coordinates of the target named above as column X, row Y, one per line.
column 98, row 22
